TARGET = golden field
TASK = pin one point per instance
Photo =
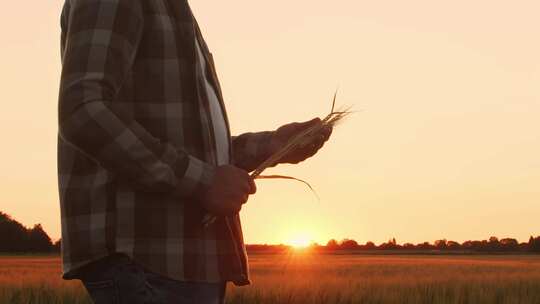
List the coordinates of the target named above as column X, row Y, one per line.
column 302, row 277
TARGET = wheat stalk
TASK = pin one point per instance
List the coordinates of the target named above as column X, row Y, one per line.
column 301, row 140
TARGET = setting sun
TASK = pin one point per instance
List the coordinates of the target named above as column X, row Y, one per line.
column 300, row 241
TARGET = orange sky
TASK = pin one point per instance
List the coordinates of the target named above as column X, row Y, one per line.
column 446, row 145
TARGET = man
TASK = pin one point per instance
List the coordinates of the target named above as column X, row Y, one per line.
column 144, row 152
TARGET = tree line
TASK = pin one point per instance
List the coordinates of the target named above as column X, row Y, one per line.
column 16, row 238
column 493, row 244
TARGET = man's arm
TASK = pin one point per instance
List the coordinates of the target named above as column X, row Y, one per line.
column 101, row 44
column 252, row 149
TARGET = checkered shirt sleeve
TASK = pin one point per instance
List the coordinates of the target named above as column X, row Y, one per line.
column 100, row 47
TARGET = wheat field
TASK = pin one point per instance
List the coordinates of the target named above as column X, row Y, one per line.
column 301, row 277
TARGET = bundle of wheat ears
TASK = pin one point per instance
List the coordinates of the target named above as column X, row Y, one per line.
column 301, row 140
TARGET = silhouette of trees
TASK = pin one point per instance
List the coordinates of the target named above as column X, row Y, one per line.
column 451, row 245
column 508, row 244
column 491, row 245
column 57, row 246
column 332, row 244
column 345, row 244
column 264, row 248
column 369, row 246
column 471, row 245
column 14, row 237
column 534, row 244
column 38, row 240
column 440, row 244
column 348, row 244
column 425, row 246
column 390, row 245
column 409, row 246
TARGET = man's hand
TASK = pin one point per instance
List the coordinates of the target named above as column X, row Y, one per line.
column 286, row 132
column 229, row 190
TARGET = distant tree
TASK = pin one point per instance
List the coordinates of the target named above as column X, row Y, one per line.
column 441, row 244
column 14, row 237
column 472, row 245
column 409, row 246
column 467, row 245
column 332, row 244
column 478, row 245
column 368, row 246
column 38, row 240
column 348, row 244
column 390, row 245
column 494, row 239
column 452, row 245
column 57, row 246
column 425, row 246
column 260, row 248
column 493, row 244
column 523, row 246
column 508, row 244
column 534, row 244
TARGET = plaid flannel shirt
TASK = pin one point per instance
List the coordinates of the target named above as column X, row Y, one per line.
column 135, row 143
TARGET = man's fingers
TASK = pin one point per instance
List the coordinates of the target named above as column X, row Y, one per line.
column 312, row 152
column 320, row 139
column 314, row 146
column 325, row 133
column 234, row 210
column 309, row 123
column 252, row 185
column 323, row 136
column 328, row 132
column 307, row 151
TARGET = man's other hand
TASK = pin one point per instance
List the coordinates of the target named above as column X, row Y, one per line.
column 229, row 190
column 286, row 132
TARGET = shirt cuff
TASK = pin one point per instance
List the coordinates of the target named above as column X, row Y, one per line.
column 195, row 180
column 259, row 146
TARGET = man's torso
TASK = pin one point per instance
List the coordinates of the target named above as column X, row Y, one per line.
column 102, row 214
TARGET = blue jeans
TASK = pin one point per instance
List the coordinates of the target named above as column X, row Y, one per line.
column 119, row 280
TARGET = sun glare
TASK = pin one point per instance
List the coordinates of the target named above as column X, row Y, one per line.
column 300, row 242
